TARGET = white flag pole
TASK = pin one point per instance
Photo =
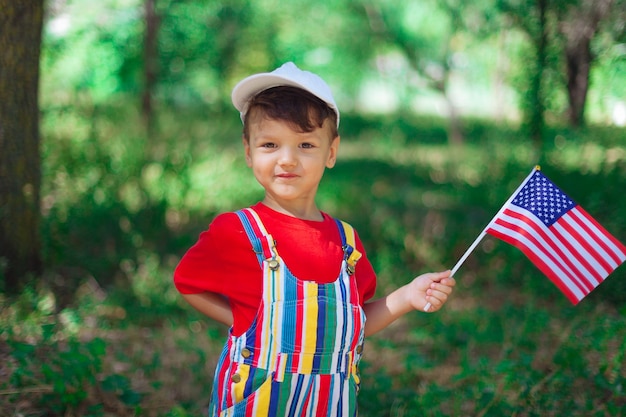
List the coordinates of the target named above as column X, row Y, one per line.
column 484, row 232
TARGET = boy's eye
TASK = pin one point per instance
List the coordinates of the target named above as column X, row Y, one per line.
column 307, row 145
column 269, row 145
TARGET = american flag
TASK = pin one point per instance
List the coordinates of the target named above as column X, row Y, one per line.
column 571, row 248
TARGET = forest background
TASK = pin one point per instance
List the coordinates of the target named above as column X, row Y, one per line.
column 118, row 145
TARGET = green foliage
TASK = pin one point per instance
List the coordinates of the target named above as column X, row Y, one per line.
column 64, row 377
column 92, row 360
column 95, row 48
column 105, row 333
column 514, row 360
column 204, row 47
column 117, row 204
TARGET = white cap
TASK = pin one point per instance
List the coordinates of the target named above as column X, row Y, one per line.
column 286, row 75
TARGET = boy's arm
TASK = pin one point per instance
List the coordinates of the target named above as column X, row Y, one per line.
column 212, row 305
column 433, row 288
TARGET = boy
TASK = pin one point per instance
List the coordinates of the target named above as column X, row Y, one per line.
column 293, row 283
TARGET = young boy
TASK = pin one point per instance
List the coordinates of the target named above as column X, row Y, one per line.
column 294, row 284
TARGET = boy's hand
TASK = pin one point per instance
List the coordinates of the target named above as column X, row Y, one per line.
column 429, row 292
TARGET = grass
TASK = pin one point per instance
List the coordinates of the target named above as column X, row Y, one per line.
column 104, row 332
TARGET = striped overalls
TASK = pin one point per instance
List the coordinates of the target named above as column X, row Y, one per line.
column 299, row 357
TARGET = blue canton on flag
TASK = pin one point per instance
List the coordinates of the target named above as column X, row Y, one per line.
column 544, row 199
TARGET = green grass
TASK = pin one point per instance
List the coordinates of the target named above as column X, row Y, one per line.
column 104, row 332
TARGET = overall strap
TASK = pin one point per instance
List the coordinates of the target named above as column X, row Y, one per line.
column 348, row 243
column 262, row 242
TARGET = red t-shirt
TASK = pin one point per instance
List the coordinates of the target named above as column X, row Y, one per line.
column 222, row 260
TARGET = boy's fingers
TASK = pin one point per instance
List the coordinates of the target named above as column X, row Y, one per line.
column 439, row 294
column 436, row 276
column 440, row 289
column 448, row 282
column 439, row 276
column 442, row 286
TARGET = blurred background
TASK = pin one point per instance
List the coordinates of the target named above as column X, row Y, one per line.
column 119, row 144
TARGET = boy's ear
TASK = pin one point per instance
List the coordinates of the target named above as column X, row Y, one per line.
column 333, row 151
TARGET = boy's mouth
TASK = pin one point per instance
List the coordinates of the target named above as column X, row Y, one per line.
column 286, row 175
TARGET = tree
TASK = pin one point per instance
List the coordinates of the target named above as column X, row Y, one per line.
column 561, row 36
column 531, row 16
column 387, row 25
column 579, row 22
column 20, row 172
column 429, row 35
column 150, row 61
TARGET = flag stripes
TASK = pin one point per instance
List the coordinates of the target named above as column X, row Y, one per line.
column 570, row 247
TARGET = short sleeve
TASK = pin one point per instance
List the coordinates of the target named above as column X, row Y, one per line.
column 365, row 274
column 221, row 252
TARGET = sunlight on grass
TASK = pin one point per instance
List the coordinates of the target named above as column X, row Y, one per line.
column 597, row 157
column 471, row 164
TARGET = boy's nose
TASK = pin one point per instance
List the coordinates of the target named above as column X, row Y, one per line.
column 287, row 156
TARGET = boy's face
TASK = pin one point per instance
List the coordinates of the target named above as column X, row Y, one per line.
column 289, row 164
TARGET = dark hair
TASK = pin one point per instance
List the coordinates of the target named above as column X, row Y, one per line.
column 301, row 109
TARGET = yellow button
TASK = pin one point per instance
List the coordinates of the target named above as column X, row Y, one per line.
column 245, row 352
column 359, row 349
column 236, row 378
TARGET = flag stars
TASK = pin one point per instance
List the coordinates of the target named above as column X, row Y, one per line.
column 542, row 198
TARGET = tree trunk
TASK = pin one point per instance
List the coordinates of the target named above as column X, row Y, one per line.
column 20, row 166
column 578, row 58
column 537, row 107
column 150, row 62
column 456, row 137
column 579, row 26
